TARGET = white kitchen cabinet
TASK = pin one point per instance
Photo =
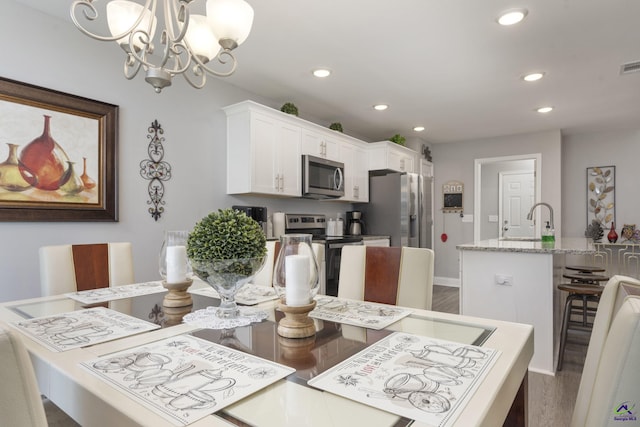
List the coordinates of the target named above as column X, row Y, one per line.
column 386, row 155
column 320, row 144
column 263, row 151
column 514, row 287
column 356, row 171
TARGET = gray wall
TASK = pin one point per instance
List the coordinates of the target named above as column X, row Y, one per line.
column 455, row 162
column 55, row 55
column 620, row 148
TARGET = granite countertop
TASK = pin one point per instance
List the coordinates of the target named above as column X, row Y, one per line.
column 567, row 245
column 373, row 237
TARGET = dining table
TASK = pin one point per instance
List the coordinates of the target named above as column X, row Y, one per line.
column 500, row 398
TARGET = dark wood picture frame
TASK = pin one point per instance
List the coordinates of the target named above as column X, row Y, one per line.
column 103, row 117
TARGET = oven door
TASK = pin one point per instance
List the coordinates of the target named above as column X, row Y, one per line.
column 332, row 254
column 322, row 178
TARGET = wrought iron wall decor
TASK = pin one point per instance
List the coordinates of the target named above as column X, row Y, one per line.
column 155, row 170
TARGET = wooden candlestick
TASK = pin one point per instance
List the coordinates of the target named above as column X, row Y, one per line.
column 296, row 323
column 177, row 295
column 174, row 315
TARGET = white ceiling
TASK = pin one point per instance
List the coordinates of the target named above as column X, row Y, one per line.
column 443, row 64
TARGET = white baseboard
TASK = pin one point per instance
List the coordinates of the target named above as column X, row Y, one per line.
column 453, row 282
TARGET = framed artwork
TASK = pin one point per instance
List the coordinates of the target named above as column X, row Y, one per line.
column 60, row 156
column 601, row 195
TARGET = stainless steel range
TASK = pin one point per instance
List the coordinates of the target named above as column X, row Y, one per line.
column 316, row 225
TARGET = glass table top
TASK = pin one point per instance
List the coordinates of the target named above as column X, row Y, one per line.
column 332, row 344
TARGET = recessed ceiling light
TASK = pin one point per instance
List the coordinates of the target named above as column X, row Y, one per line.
column 533, row 77
column 512, row 16
column 322, row 72
column 544, row 109
column 380, row 107
column 418, row 128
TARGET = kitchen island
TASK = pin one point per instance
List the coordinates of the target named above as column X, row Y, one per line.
column 515, row 280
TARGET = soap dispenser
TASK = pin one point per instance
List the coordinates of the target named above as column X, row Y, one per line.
column 548, row 235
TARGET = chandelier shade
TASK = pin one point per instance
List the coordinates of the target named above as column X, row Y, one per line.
column 186, row 43
column 121, row 19
column 231, row 20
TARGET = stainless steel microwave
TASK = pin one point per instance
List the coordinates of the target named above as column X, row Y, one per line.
column 322, row 178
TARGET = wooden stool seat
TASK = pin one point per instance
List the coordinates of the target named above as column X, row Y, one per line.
column 581, row 289
column 585, row 277
column 585, row 268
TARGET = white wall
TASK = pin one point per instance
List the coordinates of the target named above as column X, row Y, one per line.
column 455, row 162
column 55, row 55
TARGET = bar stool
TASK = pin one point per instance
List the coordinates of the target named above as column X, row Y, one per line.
column 584, row 294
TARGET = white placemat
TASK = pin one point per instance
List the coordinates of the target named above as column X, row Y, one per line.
column 249, row 294
column 358, row 313
column 416, row 377
column 185, row 378
column 95, row 296
column 82, row 328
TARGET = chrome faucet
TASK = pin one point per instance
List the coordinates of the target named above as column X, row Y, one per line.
column 530, row 215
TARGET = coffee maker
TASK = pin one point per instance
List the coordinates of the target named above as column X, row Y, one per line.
column 355, row 225
column 258, row 213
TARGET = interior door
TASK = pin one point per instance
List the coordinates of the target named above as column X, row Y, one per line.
column 517, row 197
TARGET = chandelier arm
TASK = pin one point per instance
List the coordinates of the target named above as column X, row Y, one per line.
column 196, row 72
column 220, row 57
column 131, row 67
column 91, row 14
column 178, row 14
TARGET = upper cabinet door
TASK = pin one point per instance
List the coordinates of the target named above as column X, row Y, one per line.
column 320, row 144
column 356, row 172
column 263, row 152
column 386, row 155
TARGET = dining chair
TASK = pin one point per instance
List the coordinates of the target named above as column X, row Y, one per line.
column 70, row 268
column 611, row 371
column 20, row 401
column 389, row 275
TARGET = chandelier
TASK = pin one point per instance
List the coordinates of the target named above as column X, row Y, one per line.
column 186, row 45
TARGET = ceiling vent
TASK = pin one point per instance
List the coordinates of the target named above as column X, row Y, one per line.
column 630, row 67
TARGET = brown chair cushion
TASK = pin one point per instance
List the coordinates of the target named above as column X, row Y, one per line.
column 381, row 274
column 91, row 263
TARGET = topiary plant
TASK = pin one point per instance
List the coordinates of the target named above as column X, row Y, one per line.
column 337, row 126
column 226, row 234
column 226, row 248
column 289, row 108
column 398, row 139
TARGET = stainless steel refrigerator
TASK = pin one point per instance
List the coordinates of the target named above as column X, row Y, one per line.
column 400, row 206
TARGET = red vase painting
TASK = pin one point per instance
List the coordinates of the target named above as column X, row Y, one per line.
column 43, row 162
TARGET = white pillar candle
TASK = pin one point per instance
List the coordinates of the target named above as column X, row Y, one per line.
column 176, row 264
column 297, row 290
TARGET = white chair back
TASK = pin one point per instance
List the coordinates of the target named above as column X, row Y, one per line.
column 20, row 400
column 611, row 355
column 415, row 285
column 265, row 276
column 58, row 269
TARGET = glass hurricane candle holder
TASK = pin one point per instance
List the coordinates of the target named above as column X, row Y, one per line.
column 179, row 265
column 295, row 274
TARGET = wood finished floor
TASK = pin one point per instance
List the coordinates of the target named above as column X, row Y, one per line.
column 551, row 399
